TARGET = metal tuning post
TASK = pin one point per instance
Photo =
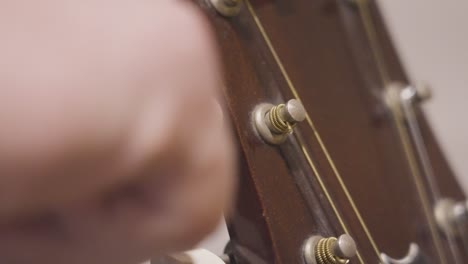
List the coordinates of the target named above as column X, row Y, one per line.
column 319, row 250
column 452, row 216
column 274, row 123
column 398, row 94
column 417, row 94
column 227, row 8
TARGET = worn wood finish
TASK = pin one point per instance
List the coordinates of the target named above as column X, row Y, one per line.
column 325, row 52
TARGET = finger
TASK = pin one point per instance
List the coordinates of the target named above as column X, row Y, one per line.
column 66, row 125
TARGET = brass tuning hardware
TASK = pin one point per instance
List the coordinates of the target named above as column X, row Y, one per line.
column 274, row 123
column 319, row 250
column 227, row 8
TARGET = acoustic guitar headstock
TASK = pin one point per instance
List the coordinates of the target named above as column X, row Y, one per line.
column 331, row 164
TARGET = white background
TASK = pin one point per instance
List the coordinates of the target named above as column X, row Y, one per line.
column 432, row 39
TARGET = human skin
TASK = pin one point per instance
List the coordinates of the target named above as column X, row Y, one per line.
column 113, row 144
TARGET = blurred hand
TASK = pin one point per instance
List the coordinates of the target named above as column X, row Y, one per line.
column 113, row 147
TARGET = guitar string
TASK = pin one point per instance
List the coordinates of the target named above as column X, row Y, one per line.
column 371, row 32
column 428, row 169
column 327, row 194
column 318, row 138
column 407, row 149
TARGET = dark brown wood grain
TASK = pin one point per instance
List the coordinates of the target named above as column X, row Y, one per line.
column 325, row 52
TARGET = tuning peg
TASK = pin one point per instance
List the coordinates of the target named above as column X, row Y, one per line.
column 275, row 123
column 423, row 91
column 418, row 93
column 344, row 247
column 451, row 216
column 319, row 250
